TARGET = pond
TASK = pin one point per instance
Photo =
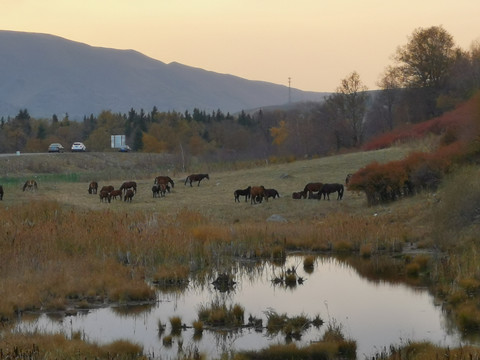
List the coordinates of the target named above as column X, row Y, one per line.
column 375, row 314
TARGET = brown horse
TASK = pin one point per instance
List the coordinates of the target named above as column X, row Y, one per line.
column 30, row 185
column 129, row 185
column 107, row 188
column 347, row 179
column 313, row 187
column 196, row 177
column 1, row 192
column 104, row 196
column 240, row 192
column 327, row 189
column 128, row 195
column 257, row 191
column 164, row 180
column 116, row 193
column 92, row 187
column 299, row 195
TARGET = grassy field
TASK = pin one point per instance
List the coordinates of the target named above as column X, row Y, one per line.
column 67, row 183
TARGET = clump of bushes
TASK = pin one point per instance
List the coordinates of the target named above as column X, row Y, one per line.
column 219, row 314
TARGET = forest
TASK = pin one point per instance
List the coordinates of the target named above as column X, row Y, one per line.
column 429, row 75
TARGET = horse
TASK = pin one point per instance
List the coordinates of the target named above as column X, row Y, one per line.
column 347, row 179
column 316, row 196
column 128, row 195
column 299, row 195
column 92, row 187
column 156, row 191
column 129, row 185
column 196, row 177
column 30, row 185
column 312, row 187
column 240, row 192
column 271, row 193
column 115, row 193
column 1, row 192
column 164, row 180
column 104, row 196
column 107, row 188
column 327, row 189
column 160, row 190
column 257, row 191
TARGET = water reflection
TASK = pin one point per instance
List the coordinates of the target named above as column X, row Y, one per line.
column 375, row 313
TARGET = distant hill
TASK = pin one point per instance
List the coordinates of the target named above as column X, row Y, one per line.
column 51, row 75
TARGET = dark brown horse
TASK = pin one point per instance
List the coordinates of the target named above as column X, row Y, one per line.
column 240, row 192
column 271, row 193
column 257, row 191
column 116, row 193
column 312, row 187
column 92, row 187
column 107, row 188
column 30, row 185
column 104, row 196
column 327, row 189
column 160, row 190
column 164, row 180
column 128, row 195
column 129, row 185
column 1, row 192
column 196, row 177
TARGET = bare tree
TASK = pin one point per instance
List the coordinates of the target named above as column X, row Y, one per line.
column 349, row 102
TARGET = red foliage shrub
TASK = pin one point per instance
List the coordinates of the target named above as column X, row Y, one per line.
column 422, row 171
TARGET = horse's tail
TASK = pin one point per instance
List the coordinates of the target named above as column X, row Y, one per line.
column 186, row 180
column 340, row 191
column 171, row 182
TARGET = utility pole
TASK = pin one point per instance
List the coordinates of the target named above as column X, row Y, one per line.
column 289, row 91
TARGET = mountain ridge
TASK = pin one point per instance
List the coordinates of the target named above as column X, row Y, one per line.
column 47, row 75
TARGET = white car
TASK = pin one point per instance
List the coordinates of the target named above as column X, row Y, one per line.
column 78, row 146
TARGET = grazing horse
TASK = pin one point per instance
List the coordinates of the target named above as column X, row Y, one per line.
column 299, row 195
column 156, row 191
column 257, row 191
column 105, row 196
column 164, row 180
column 160, row 190
column 327, row 189
column 115, row 193
column 92, row 187
column 1, row 192
column 271, row 193
column 107, row 188
column 128, row 195
column 240, row 192
column 312, row 187
column 30, row 185
column 129, row 185
column 196, row 177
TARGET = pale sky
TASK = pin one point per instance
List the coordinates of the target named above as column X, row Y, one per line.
column 316, row 43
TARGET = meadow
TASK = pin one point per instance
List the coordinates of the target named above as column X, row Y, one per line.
column 62, row 249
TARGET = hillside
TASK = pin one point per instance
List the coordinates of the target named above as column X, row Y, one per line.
column 50, row 75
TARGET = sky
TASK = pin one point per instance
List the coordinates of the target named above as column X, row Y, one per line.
column 306, row 44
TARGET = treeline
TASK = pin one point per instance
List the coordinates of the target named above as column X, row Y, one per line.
column 430, row 75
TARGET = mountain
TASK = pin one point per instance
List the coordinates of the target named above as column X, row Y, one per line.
column 48, row 75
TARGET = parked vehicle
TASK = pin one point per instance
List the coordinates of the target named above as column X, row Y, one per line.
column 56, row 147
column 78, row 146
column 124, row 148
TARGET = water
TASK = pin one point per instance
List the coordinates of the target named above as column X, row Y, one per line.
column 374, row 314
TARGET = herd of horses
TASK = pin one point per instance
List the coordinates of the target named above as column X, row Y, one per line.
column 163, row 184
